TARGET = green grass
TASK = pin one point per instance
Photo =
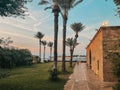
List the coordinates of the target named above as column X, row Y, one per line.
column 33, row 77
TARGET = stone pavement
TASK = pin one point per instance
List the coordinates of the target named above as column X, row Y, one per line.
column 84, row 79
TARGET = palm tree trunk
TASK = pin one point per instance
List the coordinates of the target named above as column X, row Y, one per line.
column 44, row 54
column 50, row 52
column 39, row 50
column 76, row 36
column 64, row 48
column 56, row 14
column 71, row 57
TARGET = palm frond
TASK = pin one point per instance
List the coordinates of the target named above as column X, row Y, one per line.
column 77, row 27
column 44, row 43
column 43, row 2
column 39, row 35
column 76, row 44
column 50, row 44
column 76, row 3
column 117, row 2
column 50, row 7
column 69, row 42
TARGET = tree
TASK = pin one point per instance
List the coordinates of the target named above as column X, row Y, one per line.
column 65, row 6
column 13, row 7
column 44, row 43
column 39, row 36
column 55, row 9
column 71, row 43
column 6, row 42
column 50, row 44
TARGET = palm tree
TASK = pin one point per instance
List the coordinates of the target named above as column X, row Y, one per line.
column 55, row 9
column 117, row 2
column 65, row 6
column 44, row 43
column 50, row 44
column 39, row 36
column 77, row 27
column 70, row 42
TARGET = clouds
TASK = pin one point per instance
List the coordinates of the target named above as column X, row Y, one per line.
column 22, row 30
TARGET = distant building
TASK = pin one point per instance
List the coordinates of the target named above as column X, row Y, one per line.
column 97, row 58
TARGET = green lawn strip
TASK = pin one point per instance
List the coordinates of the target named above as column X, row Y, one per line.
column 33, row 77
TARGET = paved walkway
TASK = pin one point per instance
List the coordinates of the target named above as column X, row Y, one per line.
column 84, row 79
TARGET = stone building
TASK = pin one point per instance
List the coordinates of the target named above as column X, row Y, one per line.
column 97, row 57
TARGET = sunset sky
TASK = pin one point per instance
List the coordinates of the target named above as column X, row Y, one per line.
column 92, row 13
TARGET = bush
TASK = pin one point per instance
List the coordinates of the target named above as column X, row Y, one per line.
column 10, row 58
column 4, row 74
column 53, row 74
column 117, row 86
column 114, row 53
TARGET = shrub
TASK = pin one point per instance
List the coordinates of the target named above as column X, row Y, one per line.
column 53, row 74
column 115, row 58
column 4, row 74
column 117, row 86
column 10, row 58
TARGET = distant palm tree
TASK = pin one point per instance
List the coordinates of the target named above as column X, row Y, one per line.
column 77, row 27
column 39, row 36
column 70, row 42
column 65, row 6
column 44, row 43
column 50, row 44
column 55, row 9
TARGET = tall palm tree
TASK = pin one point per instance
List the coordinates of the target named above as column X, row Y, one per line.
column 39, row 36
column 55, row 9
column 50, row 44
column 77, row 27
column 70, row 42
column 44, row 43
column 65, row 6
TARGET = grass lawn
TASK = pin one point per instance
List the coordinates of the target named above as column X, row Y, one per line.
column 33, row 77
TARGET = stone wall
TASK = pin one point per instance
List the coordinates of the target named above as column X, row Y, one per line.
column 95, row 53
column 110, row 37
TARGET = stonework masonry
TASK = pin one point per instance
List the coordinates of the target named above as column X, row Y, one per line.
column 97, row 57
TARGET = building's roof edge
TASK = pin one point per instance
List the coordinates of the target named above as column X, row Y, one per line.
column 101, row 28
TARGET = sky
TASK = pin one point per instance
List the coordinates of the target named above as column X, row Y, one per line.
column 91, row 13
